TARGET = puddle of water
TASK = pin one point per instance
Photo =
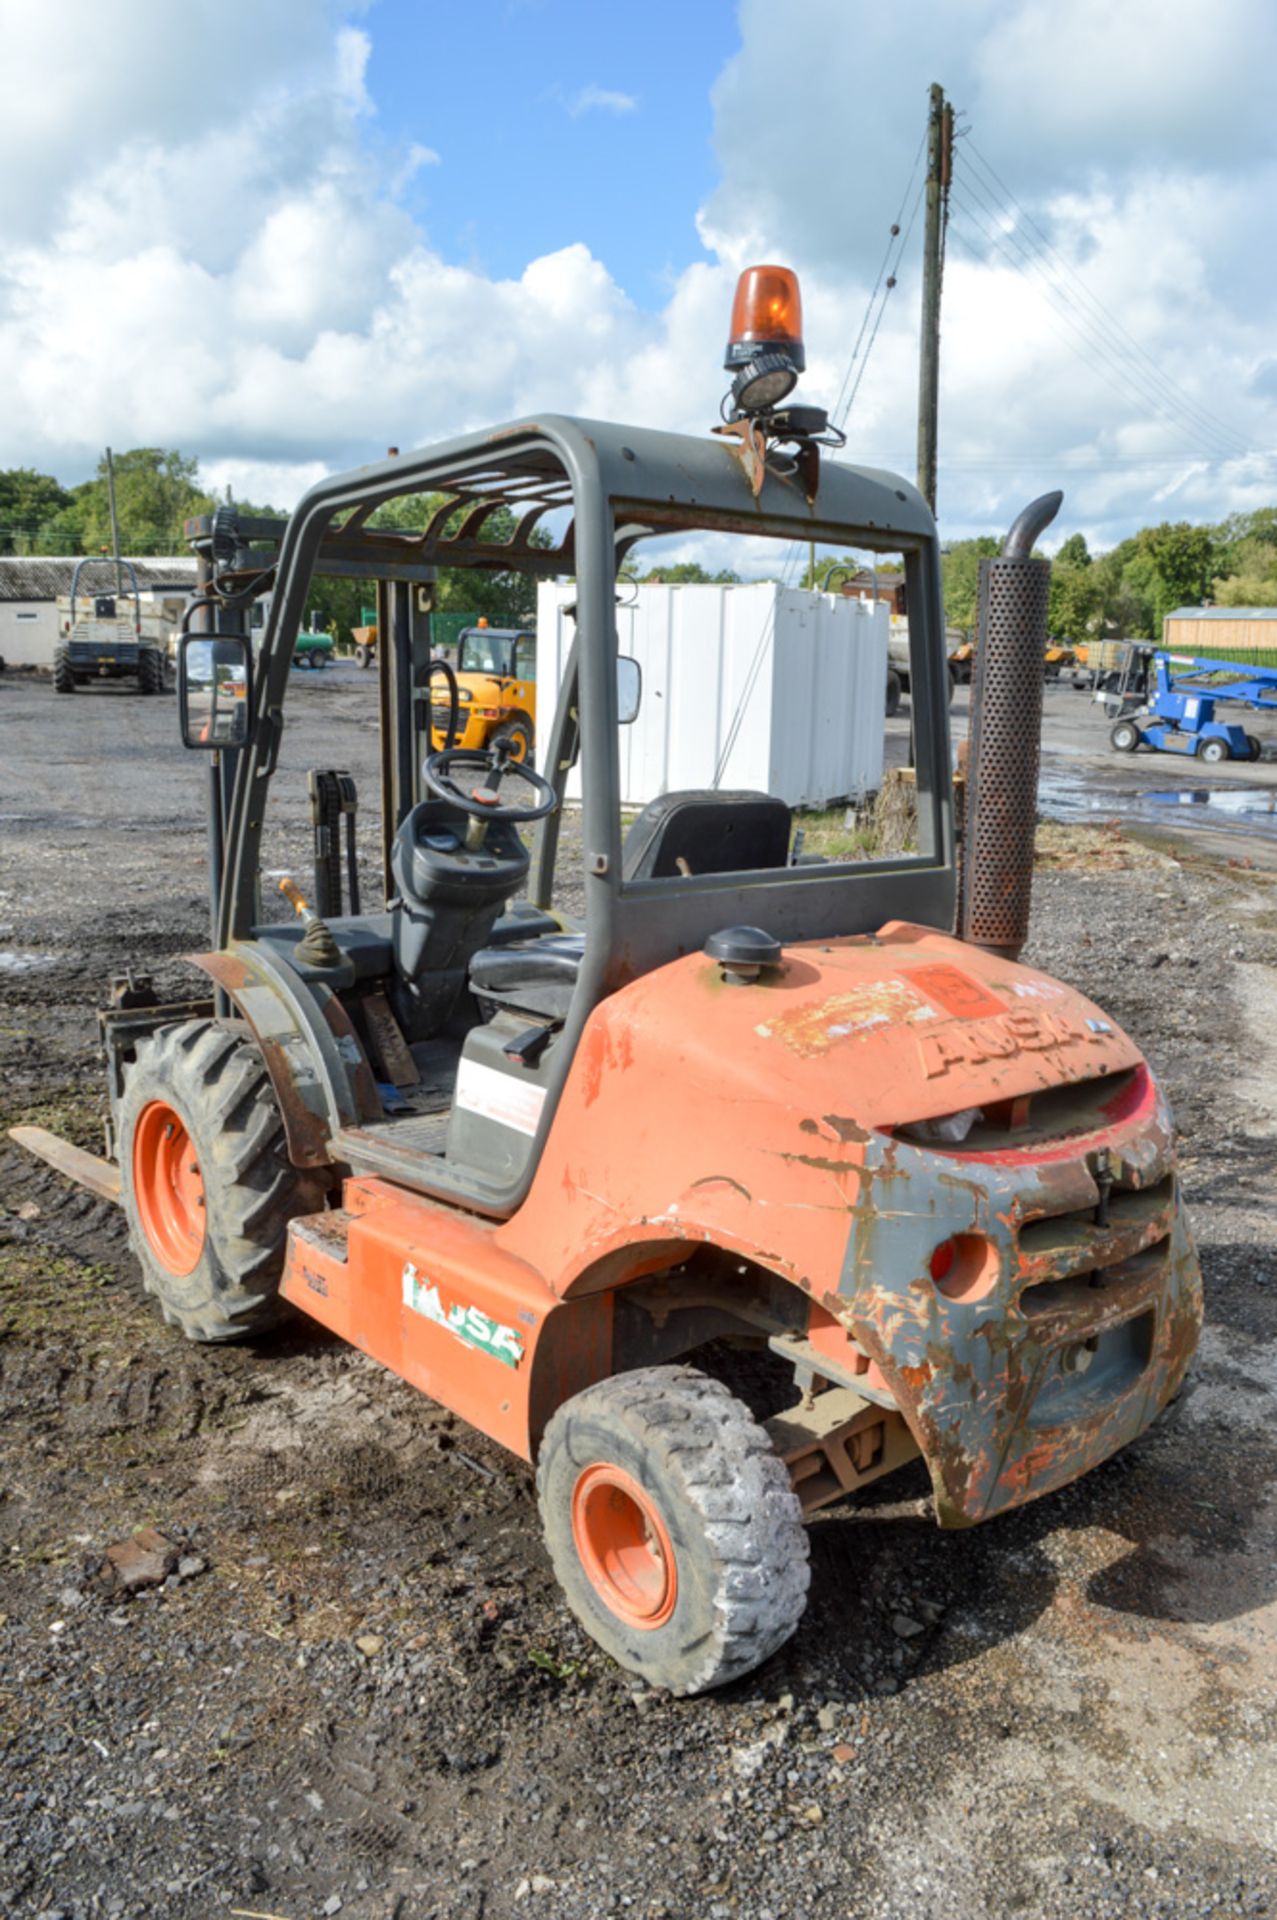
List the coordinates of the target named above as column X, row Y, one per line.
column 1249, row 809
column 1065, row 797
column 26, row 962
column 1253, row 802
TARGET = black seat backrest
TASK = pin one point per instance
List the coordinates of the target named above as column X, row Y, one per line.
column 712, row 832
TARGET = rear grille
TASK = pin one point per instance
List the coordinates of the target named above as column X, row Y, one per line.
column 1130, row 1212
column 1097, row 1263
column 1083, row 1295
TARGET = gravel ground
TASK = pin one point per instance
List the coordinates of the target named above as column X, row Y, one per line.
column 358, row 1691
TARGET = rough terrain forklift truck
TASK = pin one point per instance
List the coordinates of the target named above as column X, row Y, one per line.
column 497, row 691
column 102, row 634
column 744, row 1097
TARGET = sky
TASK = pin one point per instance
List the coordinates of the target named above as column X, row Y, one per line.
column 283, row 235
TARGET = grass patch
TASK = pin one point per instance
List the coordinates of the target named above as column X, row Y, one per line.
column 840, row 833
column 77, row 1117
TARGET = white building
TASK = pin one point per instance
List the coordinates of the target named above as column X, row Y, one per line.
column 30, row 585
column 774, row 689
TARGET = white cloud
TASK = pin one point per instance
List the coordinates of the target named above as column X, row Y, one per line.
column 600, row 100
column 235, row 274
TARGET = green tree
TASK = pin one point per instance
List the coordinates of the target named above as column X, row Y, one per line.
column 1074, row 552
column 505, row 599
column 1248, row 589
column 684, row 573
column 1172, row 566
column 29, row 502
column 960, row 573
column 156, row 491
column 1074, row 610
column 1247, row 574
column 836, row 571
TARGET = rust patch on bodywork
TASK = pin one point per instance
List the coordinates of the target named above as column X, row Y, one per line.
column 362, row 1083
column 305, row 1130
column 302, row 1082
column 1029, row 1316
column 747, row 443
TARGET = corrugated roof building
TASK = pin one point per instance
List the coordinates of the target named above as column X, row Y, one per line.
column 1223, row 633
column 30, row 585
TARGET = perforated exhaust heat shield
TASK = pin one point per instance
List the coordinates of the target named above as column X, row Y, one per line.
column 1006, row 738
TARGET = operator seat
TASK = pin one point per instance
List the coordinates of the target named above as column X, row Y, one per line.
column 448, row 900
column 711, row 832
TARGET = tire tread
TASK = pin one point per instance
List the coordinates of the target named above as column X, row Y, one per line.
column 697, row 1434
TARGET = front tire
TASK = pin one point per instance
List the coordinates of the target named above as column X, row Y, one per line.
column 150, row 673
column 517, row 735
column 1125, row 736
column 208, row 1187
column 893, row 693
column 1213, row 752
column 63, row 678
column 673, row 1528
column 363, row 656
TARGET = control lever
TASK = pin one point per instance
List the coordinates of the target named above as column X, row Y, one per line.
column 526, row 1048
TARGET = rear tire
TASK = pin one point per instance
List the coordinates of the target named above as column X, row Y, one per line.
column 363, row 656
column 1214, row 752
column 63, row 678
column 893, row 693
column 1254, row 746
column 150, row 672
column 1125, row 736
column 673, row 1528
column 208, row 1187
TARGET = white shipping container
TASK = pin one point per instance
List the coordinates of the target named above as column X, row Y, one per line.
column 771, row 688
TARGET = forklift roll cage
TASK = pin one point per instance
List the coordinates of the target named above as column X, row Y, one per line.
column 619, row 485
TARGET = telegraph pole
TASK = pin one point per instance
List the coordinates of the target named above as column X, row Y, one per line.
column 939, row 173
column 115, row 525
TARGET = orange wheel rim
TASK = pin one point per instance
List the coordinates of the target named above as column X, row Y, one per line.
column 168, row 1187
column 518, row 748
column 624, row 1546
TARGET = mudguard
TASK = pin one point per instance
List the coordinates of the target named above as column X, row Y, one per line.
column 318, row 1070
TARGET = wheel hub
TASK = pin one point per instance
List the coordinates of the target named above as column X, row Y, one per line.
column 624, row 1546
column 168, row 1187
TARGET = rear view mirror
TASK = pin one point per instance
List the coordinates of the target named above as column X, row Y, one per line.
column 629, row 688
column 215, row 689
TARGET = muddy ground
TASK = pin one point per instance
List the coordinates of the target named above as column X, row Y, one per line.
column 363, row 1695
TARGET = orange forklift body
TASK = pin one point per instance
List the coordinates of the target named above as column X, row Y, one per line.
column 786, row 1145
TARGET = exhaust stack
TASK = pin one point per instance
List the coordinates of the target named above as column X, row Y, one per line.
column 1006, row 738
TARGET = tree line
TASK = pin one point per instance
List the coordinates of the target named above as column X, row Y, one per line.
column 158, row 489
column 1126, row 592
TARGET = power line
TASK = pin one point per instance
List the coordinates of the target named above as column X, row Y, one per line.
column 1130, row 373
column 1092, row 299
column 851, row 401
column 1066, row 464
column 892, row 237
column 1129, row 385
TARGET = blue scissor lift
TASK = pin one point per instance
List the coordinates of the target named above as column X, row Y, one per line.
column 1178, row 711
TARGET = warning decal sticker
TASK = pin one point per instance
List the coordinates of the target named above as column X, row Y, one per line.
column 955, row 992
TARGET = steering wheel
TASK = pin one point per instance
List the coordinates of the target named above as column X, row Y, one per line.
column 451, row 775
